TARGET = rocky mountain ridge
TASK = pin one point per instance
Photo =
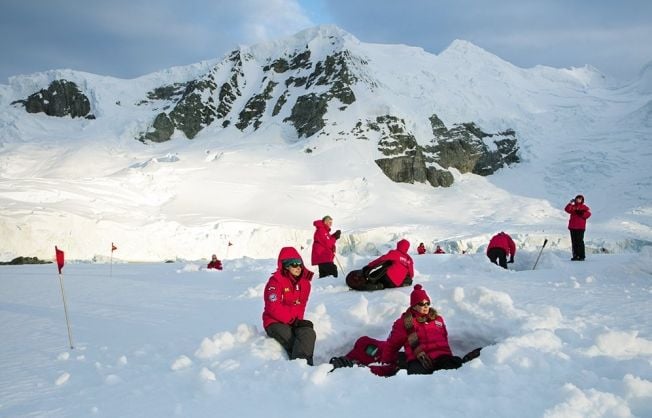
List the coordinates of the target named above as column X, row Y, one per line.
column 305, row 86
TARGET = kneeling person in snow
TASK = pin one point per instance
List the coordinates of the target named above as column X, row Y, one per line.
column 286, row 296
column 394, row 269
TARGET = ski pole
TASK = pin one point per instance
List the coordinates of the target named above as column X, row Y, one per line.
column 339, row 264
column 545, row 241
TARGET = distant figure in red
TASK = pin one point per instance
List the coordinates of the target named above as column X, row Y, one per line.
column 323, row 247
column 394, row 269
column 438, row 250
column 215, row 263
column 421, row 249
column 579, row 213
column 286, row 296
column 501, row 246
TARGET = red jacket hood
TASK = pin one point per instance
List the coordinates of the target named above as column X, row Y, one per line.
column 403, row 246
column 319, row 224
column 286, row 253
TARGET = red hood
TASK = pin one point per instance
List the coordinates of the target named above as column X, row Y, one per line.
column 319, row 224
column 403, row 246
column 284, row 254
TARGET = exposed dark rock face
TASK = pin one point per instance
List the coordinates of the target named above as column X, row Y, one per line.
column 61, row 98
column 308, row 114
column 163, row 129
column 192, row 114
column 464, row 147
column 255, row 108
column 24, row 260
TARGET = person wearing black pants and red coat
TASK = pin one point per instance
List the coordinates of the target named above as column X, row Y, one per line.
column 579, row 213
column 286, row 296
column 500, row 246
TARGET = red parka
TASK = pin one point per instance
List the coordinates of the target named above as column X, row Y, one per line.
column 579, row 213
column 431, row 331
column 402, row 263
column 286, row 297
column 504, row 241
column 421, row 249
column 215, row 264
column 323, row 244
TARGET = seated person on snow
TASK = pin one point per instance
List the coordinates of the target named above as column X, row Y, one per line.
column 394, row 269
column 286, row 296
column 215, row 263
column 420, row 332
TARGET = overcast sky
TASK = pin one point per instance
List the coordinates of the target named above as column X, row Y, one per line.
column 129, row 38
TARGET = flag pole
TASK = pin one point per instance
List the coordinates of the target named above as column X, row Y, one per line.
column 111, row 262
column 65, row 310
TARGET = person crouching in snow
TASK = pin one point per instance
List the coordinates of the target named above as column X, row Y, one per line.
column 500, row 246
column 438, row 250
column 394, row 269
column 323, row 247
column 421, row 249
column 286, row 296
column 215, row 263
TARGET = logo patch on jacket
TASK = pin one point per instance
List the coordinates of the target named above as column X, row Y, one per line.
column 439, row 323
column 272, row 297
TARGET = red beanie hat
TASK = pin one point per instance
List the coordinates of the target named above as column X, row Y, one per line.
column 418, row 295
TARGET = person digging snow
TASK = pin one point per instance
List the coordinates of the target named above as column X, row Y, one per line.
column 500, row 246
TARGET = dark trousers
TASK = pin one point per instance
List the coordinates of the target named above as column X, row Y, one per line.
column 498, row 256
column 327, row 269
column 577, row 241
column 379, row 276
column 440, row 363
column 298, row 342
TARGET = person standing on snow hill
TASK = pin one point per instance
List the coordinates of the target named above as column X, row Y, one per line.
column 215, row 263
column 500, row 246
column 286, row 296
column 323, row 247
column 579, row 213
column 394, row 269
column 421, row 249
column 438, row 250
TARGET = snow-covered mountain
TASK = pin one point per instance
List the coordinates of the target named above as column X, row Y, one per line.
column 252, row 147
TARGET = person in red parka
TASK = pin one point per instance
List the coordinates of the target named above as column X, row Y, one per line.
column 214, row 263
column 286, row 296
column 500, row 246
column 438, row 250
column 323, row 247
column 394, row 269
column 422, row 333
column 421, row 249
column 579, row 213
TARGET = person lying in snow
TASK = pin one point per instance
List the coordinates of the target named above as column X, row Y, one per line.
column 420, row 332
column 394, row 269
column 286, row 296
column 215, row 263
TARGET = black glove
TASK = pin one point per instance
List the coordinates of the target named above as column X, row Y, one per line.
column 302, row 323
column 339, row 362
column 511, row 260
column 365, row 271
column 337, row 234
column 579, row 212
column 471, row 355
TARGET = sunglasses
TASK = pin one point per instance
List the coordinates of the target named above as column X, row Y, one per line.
column 422, row 304
column 295, row 265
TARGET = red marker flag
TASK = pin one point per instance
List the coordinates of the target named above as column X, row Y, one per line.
column 60, row 258
column 113, row 247
column 230, row 243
